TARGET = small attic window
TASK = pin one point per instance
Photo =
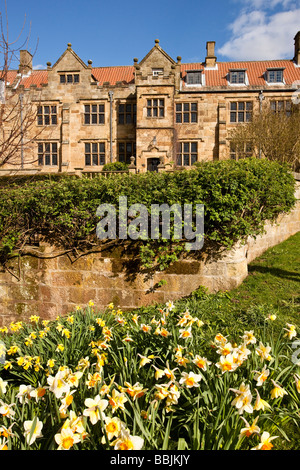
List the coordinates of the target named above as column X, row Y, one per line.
column 157, row 71
column 69, row 78
column 237, row 77
column 275, row 75
column 194, row 77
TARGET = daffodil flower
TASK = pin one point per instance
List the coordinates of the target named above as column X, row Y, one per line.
column 265, row 442
column 277, row 391
column 260, row 404
column 6, row 410
column 95, row 406
column 263, row 352
column 201, row 362
column 113, row 427
column 66, row 439
column 33, row 430
column 243, row 399
column 127, row 442
column 261, row 376
column 291, row 331
column 190, row 379
column 3, row 385
column 250, row 429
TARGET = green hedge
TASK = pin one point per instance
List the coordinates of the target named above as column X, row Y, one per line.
column 237, row 196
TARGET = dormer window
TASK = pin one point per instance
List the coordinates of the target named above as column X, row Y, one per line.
column 275, row 75
column 237, row 77
column 194, row 77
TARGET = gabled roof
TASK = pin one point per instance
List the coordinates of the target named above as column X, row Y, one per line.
column 69, row 50
column 155, row 48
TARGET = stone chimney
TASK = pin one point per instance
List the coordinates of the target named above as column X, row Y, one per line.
column 210, row 59
column 297, row 48
column 25, row 62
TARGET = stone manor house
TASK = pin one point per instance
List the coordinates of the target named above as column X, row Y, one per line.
column 163, row 112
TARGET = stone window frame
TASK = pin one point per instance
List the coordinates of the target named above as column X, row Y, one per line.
column 278, row 105
column 155, row 107
column 240, row 111
column 126, row 152
column 188, row 115
column 45, row 118
column 129, row 113
column 47, row 153
column 68, row 78
column 187, row 153
column 96, row 115
column 95, row 155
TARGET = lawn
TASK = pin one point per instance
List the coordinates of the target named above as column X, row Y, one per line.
column 207, row 372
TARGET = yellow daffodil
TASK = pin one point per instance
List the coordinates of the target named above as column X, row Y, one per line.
column 263, row 352
column 185, row 333
column 3, row 444
column 145, row 328
column 117, row 400
column 24, row 393
column 260, row 404
column 34, row 318
column 277, row 391
column 112, row 428
column 250, row 429
column 60, row 348
column 265, row 442
column 190, row 379
column 33, row 430
column 291, row 331
column 135, row 391
column 159, row 373
column 95, row 407
column 6, row 410
column 145, row 359
column 127, row 442
column 249, row 337
column 261, row 376
column 66, row 439
column 227, row 363
column 243, row 399
column 201, row 362
column 58, row 384
column 271, row 317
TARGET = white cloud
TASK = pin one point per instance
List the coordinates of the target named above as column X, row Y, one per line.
column 258, row 35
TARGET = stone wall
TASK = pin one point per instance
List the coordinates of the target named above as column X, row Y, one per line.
column 51, row 286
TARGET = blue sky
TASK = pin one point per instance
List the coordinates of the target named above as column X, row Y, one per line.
column 114, row 33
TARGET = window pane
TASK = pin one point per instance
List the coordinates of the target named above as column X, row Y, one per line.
column 186, row 147
column 102, row 147
column 186, row 117
column 87, row 148
column 62, row 79
column 186, row 160
column 233, row 106
column 76, row 78
column 54, row 159
column 193, row 158
column 69, row 78
column 94, row 148
column 95, row 160
column 102, row 160
column 87, row 159
column 194, row 147
column 87, row 119
column 193, row 106
column 87, row 108
column 193, row 117
column 94, row 118
column 232, row 117
column 241, row 106
column 178, row 106
column 186, row 107
column 240, row 117
column 178, row 117
column 47, row 159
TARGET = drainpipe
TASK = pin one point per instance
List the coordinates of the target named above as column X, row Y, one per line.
column 110, row 124
column 21, row 130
